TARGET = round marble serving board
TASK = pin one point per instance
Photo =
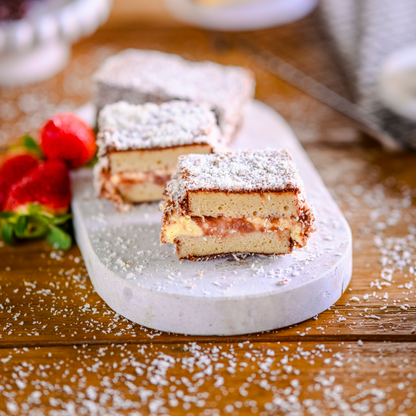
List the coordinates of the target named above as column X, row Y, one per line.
column 145, row 282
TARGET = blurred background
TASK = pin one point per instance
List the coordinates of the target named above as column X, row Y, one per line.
column 357, row 57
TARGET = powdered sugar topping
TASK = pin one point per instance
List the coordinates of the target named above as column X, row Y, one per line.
column 126, row 126
column 239, row 171
column 159, row 77
column 152, row 71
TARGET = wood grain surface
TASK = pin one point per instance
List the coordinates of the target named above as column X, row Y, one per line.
column 63, row 351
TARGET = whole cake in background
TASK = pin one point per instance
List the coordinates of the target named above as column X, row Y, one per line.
column 139, row 146
column 239, row 202
column 141, row 76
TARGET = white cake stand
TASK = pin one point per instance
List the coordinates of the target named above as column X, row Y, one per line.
column 146, row 283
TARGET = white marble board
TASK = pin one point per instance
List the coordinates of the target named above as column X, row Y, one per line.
column 145, row 282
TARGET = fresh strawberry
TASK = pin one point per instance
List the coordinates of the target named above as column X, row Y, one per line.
column 15, row 165
column 46, row 185
column 67, row 137
column 37, row 204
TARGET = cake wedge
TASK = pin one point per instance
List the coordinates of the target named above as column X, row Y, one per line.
column 139, row 146
column 237, row 202
column 141, row 76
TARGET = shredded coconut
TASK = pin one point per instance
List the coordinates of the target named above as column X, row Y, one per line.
column 152, row 76
column 239, row 171
column 126, row 126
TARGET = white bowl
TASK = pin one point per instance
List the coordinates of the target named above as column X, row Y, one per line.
column 252, row 15
column 397, row 82
column 38, row 46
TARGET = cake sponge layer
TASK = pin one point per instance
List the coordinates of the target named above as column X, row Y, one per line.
column 193, row 248
column 152, row 159
column 141, row 192
column 237, row 205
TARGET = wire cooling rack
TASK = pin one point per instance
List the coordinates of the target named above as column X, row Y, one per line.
column 335, row 55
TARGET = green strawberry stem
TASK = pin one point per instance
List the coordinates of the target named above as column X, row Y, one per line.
column 32, row 145
column 35, row 224
column 21, row 225
column 7, row 233
column 92, row 162
column 59, row 238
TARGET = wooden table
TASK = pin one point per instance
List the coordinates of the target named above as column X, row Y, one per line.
column 64, row 351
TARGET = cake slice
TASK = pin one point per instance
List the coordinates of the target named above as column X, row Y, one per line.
column 141, row 76
column 239, row 202
column 139, row 146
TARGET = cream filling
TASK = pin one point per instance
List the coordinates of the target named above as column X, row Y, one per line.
column 140, row 177
column 283, row 224
column 184, row 225
column 181, row 225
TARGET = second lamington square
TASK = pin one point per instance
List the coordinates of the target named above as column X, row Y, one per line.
column 139, row 146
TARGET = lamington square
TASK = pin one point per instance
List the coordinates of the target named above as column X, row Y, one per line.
column 141, row 76
column 238, row 202
column 139, row 146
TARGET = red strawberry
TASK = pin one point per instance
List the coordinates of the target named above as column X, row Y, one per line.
column 36, row 205
column 13, row 167
column 67, row 137
column 46, row 185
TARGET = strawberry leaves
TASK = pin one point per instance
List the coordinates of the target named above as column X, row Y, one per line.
column 35, row 224
column 21, row 225
column 58, row 238
column 32, row 145
column 7, row 232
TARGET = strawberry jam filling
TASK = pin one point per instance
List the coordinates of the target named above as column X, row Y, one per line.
column 221, row 227
column 131, row 178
